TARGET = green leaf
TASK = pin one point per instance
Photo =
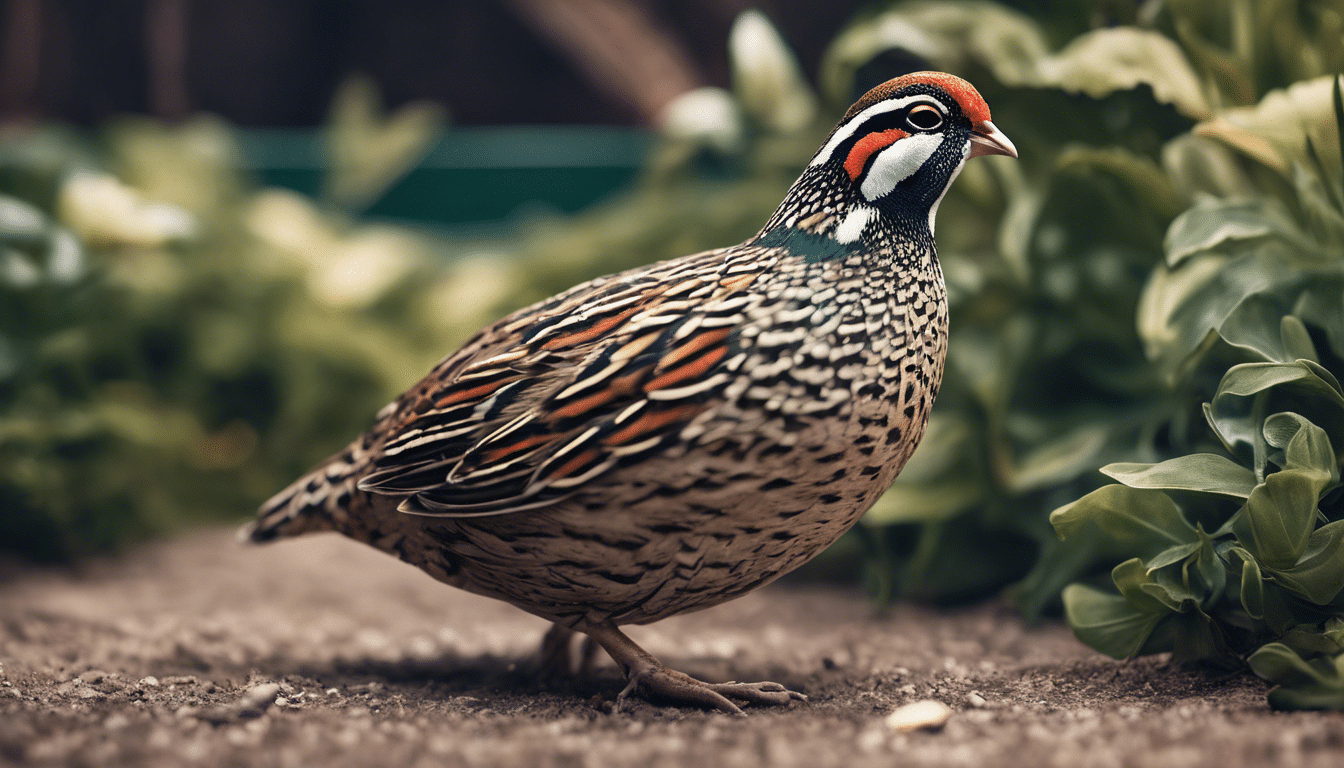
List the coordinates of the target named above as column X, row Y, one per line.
column 1172, row 555
column 1206, row 575
column 1008, row 43
column 1297, row 340
column 1103, row 61
column 1276, row 130
column 769, row 85
column 1058, row 460
column 1319, row 574
column 1278, row 663
column 1307, row 697
column 1308, row 639
column 1169, row 290
column 1255, row 326
column 1214, row 224
column 1300, row 386
column 1279, row 516
column 1137, row 586
column 368, row 150
column 1304, row 445
column 1148, row 521
column 1252, row 585
column 1107, row 622
column 1321, row 304
column 1205, row 472
column 21, row 221
column 1318, row 684
column 1250, row 378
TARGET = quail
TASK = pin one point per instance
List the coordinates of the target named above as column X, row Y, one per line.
column 671, row 437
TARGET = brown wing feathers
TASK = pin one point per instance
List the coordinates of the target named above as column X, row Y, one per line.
column 602, row 383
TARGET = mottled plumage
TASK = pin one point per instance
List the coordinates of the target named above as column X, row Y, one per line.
column 671, row 437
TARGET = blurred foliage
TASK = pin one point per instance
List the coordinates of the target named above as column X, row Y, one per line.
column 177, row 343
column 1155, row 287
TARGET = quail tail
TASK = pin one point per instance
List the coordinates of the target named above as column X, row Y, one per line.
column 309, row 504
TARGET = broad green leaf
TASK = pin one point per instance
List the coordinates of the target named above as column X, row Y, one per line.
column 950, row 36
column 1297, row 340
column 1060, row 459
column 1166, row 292
column 1276, row 130
column 1137, row 585
column 1319, row 574
column 1321, row 304
column 769, row 85
column 1103, row 61
column 1303, row 446
column 1278, row 663
column 1199, row 166
column 369, row 150
column 1255, row 326
column 1106, row 621
column 1300, row 386
column 1279, row 516
column 1206, row 574
column 21, row 221
column 1317, row 684
column 1309, row 639
column 1147, row 521
column 1171, row 555
column 923, row 502
column 1252, row 585
column 1334, row 630
column 1308, row 697
column 1205, row 472
column 1250, row 378
column 1214, row 224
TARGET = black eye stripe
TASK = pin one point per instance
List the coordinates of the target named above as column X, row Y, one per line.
column 888, row 120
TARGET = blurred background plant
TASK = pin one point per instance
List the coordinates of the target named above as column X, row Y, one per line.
column 1154, row 288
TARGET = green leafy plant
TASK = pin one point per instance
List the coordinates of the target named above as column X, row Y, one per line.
column 176, row 343
column 1239, row 555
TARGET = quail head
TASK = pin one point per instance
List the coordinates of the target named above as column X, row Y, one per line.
column 668, row 438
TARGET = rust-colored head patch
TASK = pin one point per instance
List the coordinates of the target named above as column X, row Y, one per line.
column 971, row 103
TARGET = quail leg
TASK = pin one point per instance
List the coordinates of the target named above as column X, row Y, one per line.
column 555, row 657
column 554, row 654
column 642, row 669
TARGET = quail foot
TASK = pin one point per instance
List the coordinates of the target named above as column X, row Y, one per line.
column 671, row 437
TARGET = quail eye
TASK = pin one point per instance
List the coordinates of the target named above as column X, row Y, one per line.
column 924, row 118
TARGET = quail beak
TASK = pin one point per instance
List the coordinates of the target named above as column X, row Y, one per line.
column 988, row 140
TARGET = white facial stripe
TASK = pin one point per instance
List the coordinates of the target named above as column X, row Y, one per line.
column 847, row 130
column 855, row 222
column 897, row 163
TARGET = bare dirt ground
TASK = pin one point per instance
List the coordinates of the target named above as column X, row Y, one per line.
column 322, row 652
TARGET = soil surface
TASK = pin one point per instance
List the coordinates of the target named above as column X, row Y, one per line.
column 323, row 652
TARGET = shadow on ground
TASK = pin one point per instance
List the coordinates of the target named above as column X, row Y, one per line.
column 323, row 652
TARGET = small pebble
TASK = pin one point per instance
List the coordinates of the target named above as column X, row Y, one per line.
column 93, row 676
column 975, row 700
column 257, row 699
column 151, row 681
column 253, row 703
column 920, row 715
